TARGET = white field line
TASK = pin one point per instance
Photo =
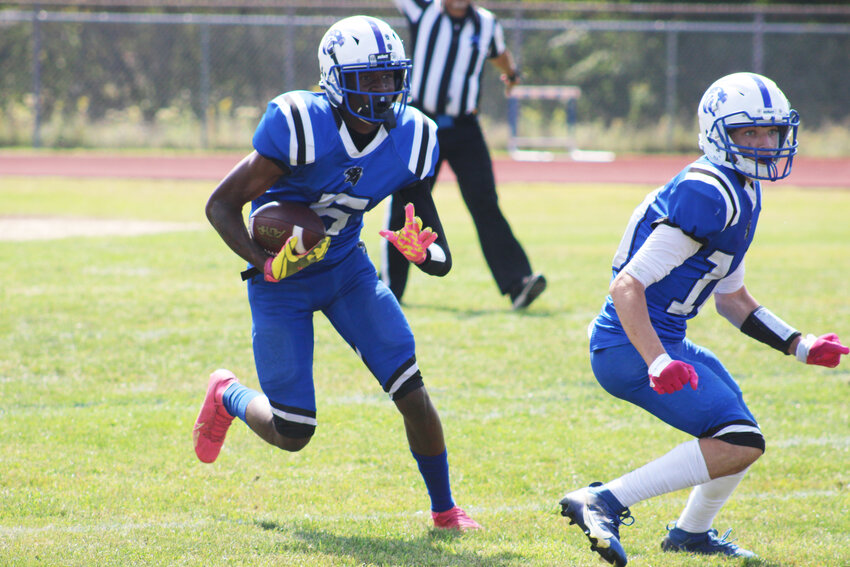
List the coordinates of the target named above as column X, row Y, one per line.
column 24, row 228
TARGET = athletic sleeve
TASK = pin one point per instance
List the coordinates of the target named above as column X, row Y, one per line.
column 421, row 149
column 438, row 261
column 665, row 249
column 733, row 282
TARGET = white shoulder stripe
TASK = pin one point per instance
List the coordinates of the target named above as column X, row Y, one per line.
column 432, row 144
column 302, row 145
column 419, row 124
column 293, row 137
column 424, row 143
column 309, row 139
column 719, row 182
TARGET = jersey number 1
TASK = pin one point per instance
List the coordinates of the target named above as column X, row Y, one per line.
column 721, row 262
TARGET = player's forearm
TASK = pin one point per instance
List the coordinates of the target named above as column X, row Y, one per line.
column 630, row 303
column 736, row 306
column 228, row 222
column 249, row 179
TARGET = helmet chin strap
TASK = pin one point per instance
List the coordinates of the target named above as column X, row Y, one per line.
column 388, row 116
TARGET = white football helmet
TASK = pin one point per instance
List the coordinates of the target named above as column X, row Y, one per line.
column 362, row 44
column 747, row 99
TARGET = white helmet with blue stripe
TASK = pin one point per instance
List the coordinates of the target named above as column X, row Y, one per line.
column 362, row 44
column 747, row 99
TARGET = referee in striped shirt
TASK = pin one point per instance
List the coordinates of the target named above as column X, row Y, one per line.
column 451, row 40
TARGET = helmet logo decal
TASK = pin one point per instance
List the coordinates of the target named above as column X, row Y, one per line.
column 713, row 100
column 335, row 39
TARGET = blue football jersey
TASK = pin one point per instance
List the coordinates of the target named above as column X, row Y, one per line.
column 329, row 173
column 712, row 205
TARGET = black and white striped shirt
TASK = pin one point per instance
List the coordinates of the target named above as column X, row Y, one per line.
column 448, row 55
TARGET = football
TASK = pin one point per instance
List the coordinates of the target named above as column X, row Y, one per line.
column 273, row 223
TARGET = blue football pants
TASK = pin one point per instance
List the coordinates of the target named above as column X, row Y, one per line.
column 715, row 403
column 359, row 306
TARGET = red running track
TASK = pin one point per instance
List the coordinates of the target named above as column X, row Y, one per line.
column 649, row 170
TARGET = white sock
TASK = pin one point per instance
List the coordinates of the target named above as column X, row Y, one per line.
column 682, row 467
column 705, row 502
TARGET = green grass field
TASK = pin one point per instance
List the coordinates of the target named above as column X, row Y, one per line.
column 106, row 344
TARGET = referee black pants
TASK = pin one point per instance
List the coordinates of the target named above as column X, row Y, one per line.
column 464, row 147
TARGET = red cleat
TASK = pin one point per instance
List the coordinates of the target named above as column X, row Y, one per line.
column 213, row 420
column 454, row 519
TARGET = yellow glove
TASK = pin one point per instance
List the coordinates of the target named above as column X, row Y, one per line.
column 411, row 240
column 287, row 262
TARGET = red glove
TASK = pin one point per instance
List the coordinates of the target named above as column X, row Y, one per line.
column 667, row 375
column 825, row 350
column 411, row 240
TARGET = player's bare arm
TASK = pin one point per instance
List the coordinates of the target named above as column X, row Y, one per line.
column 742, row 310
column 665, row 374
column 735, row 307
column 249, row 179
column 630, row 302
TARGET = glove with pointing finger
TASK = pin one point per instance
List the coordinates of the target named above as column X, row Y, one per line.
column 411, row 240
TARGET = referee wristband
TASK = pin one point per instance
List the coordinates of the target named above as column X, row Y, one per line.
column 513, row 77
column 764, row 326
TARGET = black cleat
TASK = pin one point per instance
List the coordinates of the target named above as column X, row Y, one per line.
column 599, row 515
column 527, row 291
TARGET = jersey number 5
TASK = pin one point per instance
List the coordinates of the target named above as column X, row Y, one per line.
column 339, row 207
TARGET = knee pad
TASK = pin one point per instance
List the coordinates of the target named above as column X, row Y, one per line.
column 411, row 385
column 292, row 429
column 744, row 439
column 404, row 380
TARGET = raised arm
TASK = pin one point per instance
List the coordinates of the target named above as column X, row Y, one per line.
column 422, row 240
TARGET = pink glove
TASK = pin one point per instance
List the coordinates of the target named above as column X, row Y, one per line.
column 411, row 240
column 667, row 375
column 825, row 350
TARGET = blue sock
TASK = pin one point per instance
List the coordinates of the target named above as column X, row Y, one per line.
column 236, row 399
column 435, row 472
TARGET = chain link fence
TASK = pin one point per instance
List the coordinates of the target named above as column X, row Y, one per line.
column 198, row 75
